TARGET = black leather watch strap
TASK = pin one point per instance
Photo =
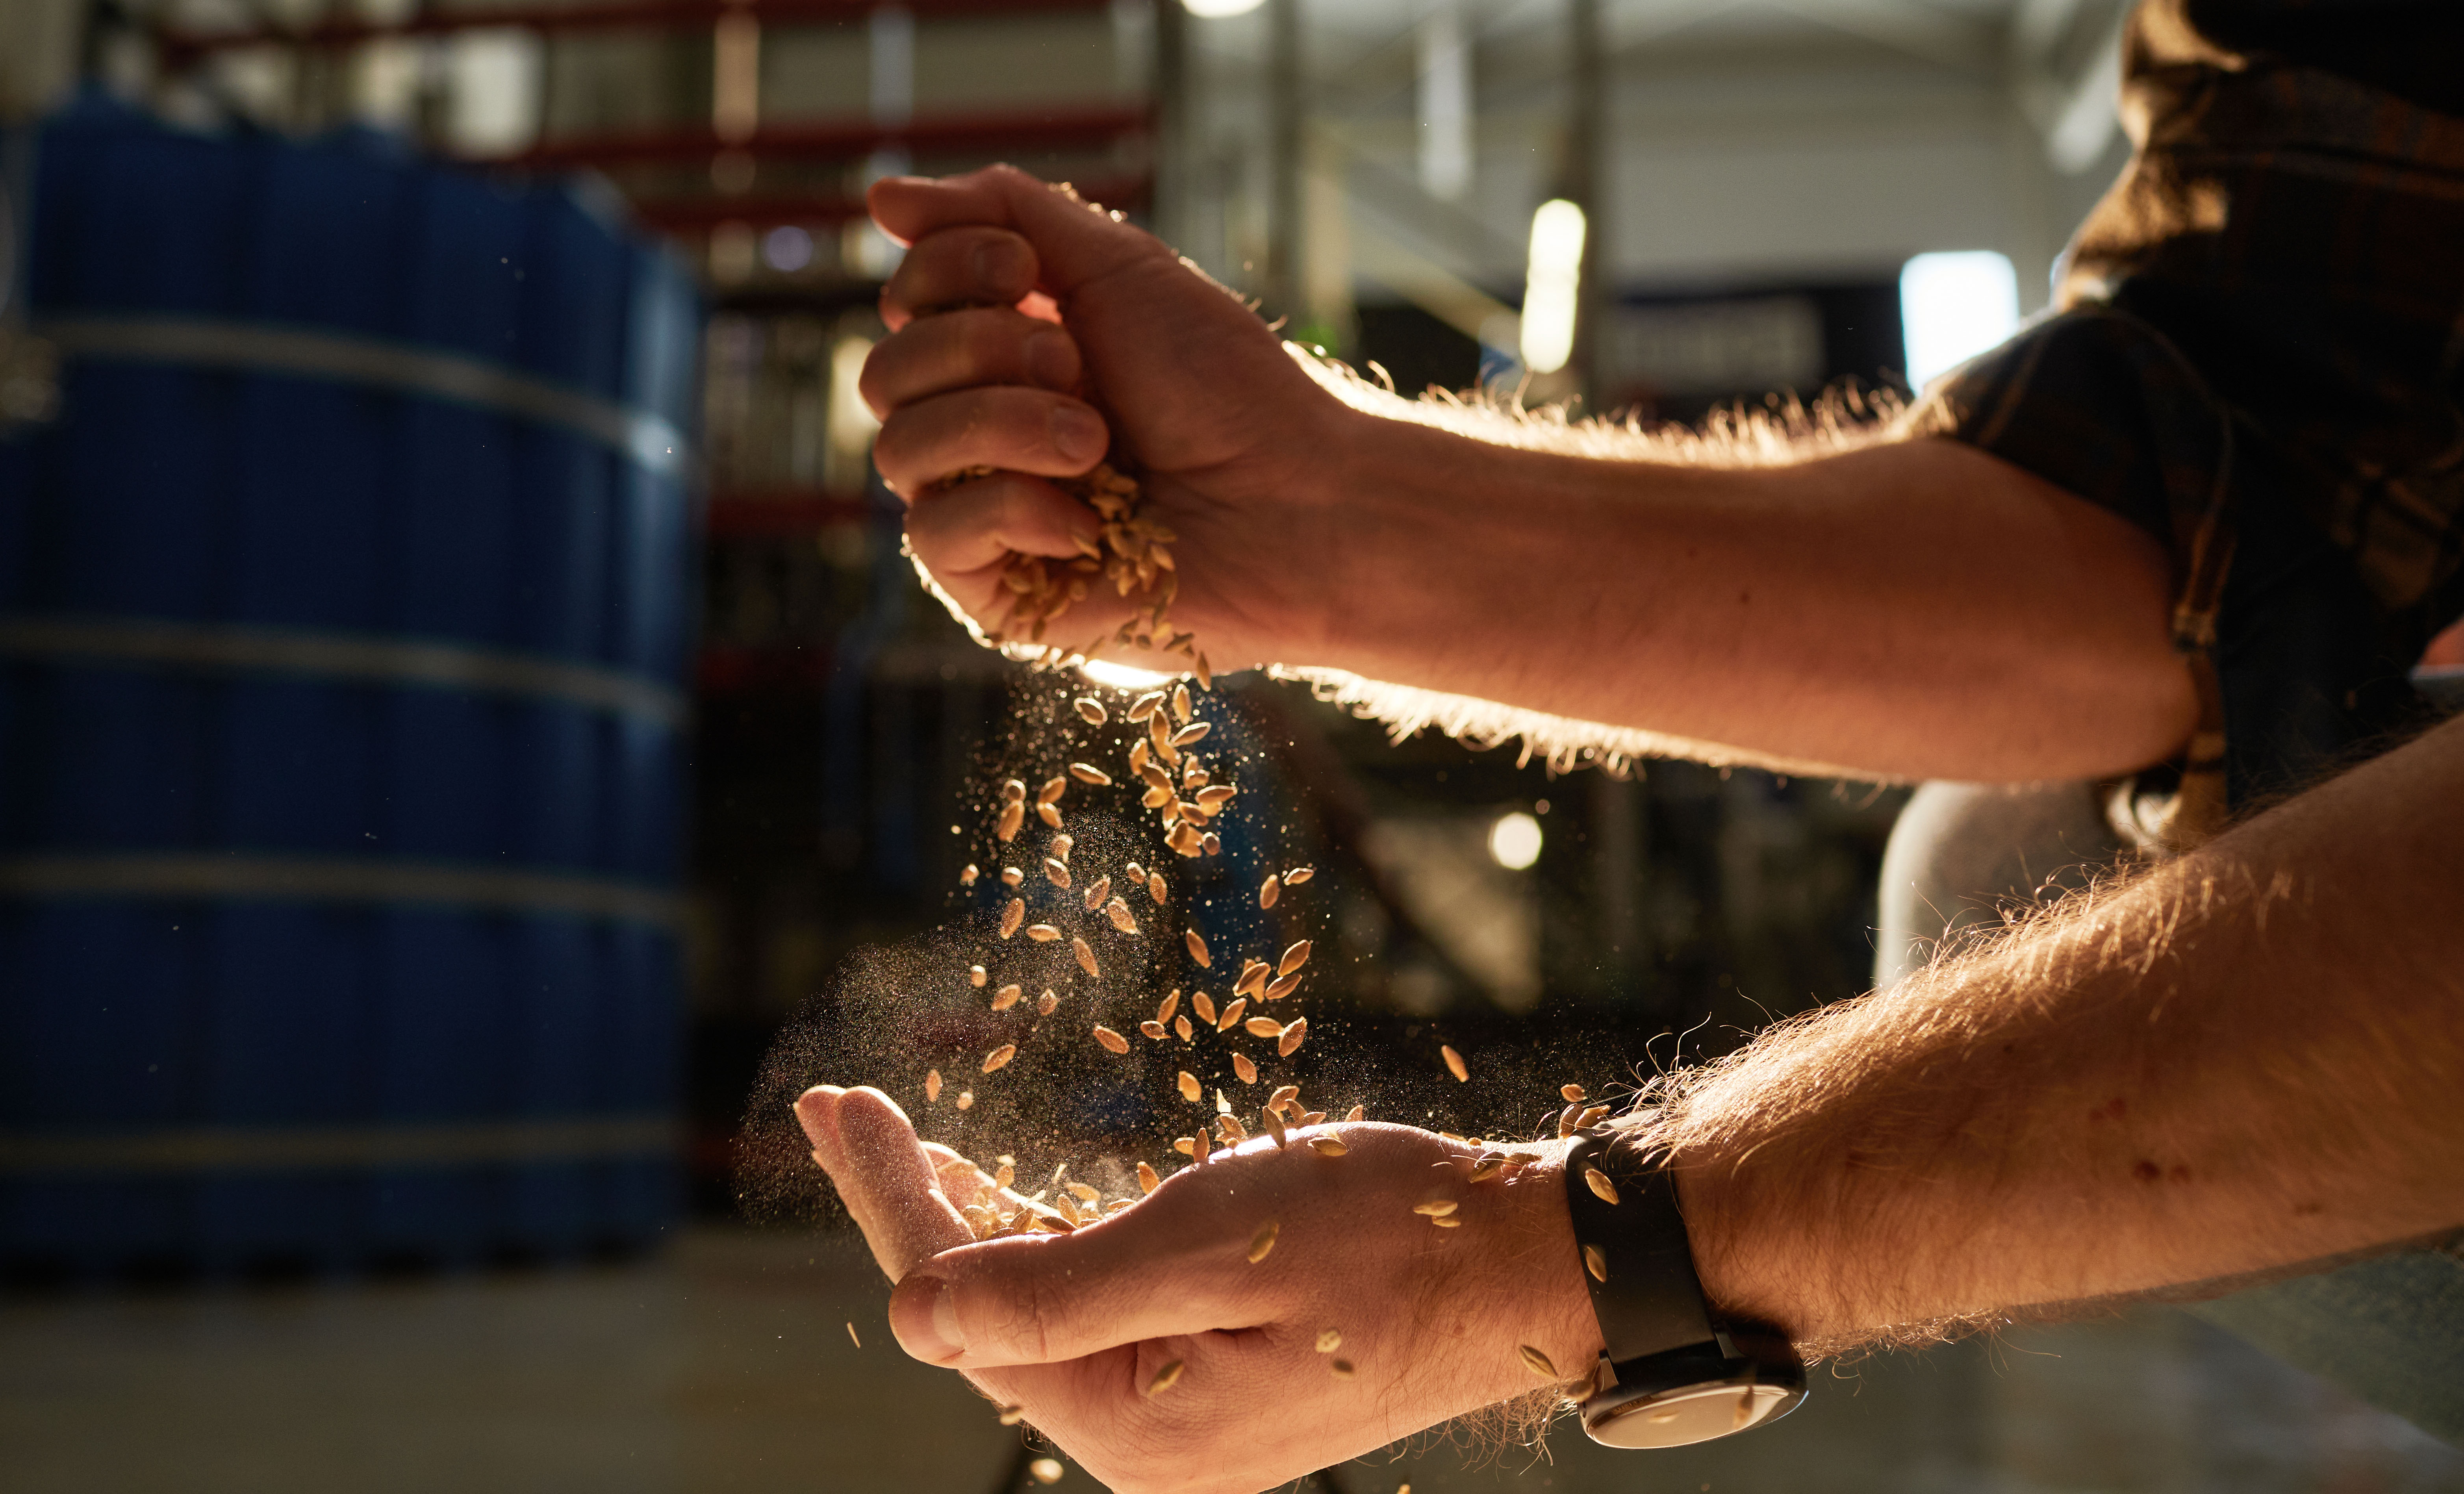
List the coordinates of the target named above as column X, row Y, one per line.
column 1636, row 1257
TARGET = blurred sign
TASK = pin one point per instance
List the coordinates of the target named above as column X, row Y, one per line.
column 1743, row 346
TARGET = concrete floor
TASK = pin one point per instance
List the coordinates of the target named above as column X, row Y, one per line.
column 725, row 1366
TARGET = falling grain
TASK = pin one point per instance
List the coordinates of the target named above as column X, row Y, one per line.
column 1000, row 1057
column 1170, row 1004
column 1449, row 1222
column 1090, row 710
column 1147, row 1178
column 1046, row 1470
column 858, row 1342
column 1245, row 1069
column 1596, row 1262
column 1013, row 914
column 1253, row 977
column 1153, row 1029
column 1197, row 943
column 1197, row 1146
column 1204, row 1005
column 1264, row 1027
column 1282, row 1096
column 976, row 976
column 1598, row 1182
column 1013, row 816
column 966, row 1098
column 1269, row 891
column 1591, row 1118
column 1293, row 958
column 1056, row 871
column 1211, row 800
column 1086, row 953
column 1283, row 987
column 1165, row 1378
column 1006, row 997
column 1045, row 1003
column 1191, row 734
column 1190, row 1090
column 1298, row 875
column 1275, row 1129
column 1453, row 1064
column 1011, row 876
column 1052, row 790
column 1155, row 886
column 1487, row 1168
column 1328, row 1146
column 932, row 1086
column 1113, row 1041
column 1210, row 843
column 1293, row 1036
column 1180, row 1024
column 1537, row 1362
column 1014, row 791
column 1088, row 773
column 1355, row 1114
column 1263, row 1241
column 1042, row 933
column 1145, row 705
column 1096, row 892
column 1231, row 1017
column 1570, row 1093
column 968, row 874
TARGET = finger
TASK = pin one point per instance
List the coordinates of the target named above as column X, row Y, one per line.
column 974, row 527
column 965, row 348
column 1148, row 1272
column 1025, row 431
column 970, row 265
column 1074, row 241
column 865, row 1141
column 962, row 1183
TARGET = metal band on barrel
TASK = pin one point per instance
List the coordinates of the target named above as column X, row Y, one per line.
column 245, row 1148
column 650, row 440
column 213, row 877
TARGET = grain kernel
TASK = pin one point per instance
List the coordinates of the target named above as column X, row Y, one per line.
column 1293, row 958
column 1155, row 887
column 967, row 875
column 1356, row 1114
column 1011, row 876
column 1182, row 1145
column 1190, row 735
column 1264, row 1027
column 1052, row 790
column 1085, row 957
column 1596, row 1262
column 1253, row 977
column 1189, row 1088
column 1197, row 943
column 1269, row 891
column 1153, row 1029
column 1328, row 1146
column 1147, row 1178
column 966, row 1098
column 1046, row 1470
column 1113, row 1041
column 1049, row 815
column 1013, row 914
column 999, row 1056
column 1010, row 1416
column 1232, row 1013
column 932, row 1086
column 1487, row 1168
column 1591, row 1118
column 1279, row 988
column 976, row 976
column 1298, row 875
column 1145, row 705
column 1013, row 814
column 1090, row 710
column 1570, row 1093
column 1180, row 702
column 1165, row 1378
column 1436, row 1208
column 1204, row 1005
column 1180, row 1024
column 1537, row 1362
column 1056, row 871
column 1598, row 1182
column 1006, row 997
column 1263, row 1241
column 1042, row 933
column 1453, row 1064
column 1045, row 1003
column 1170, row 1004
column 1294, row 1035
column 1275, row 1129
column 1122, row 919
column 1248, row 1071
column 1013, row 791
column 1283, row 1095
column 1060, row 847
column 1449, row 1222
column 1096, row 892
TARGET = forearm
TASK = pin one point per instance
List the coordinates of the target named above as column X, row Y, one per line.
column 1906, row 611
column 2250, row 1059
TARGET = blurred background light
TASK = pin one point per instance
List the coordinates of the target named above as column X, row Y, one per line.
column 1954, row 306
column 1514, row 841
column 787, row 249
column 1549, row 288
column 1216, row 9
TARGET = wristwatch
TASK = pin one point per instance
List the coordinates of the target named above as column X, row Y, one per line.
column 1672, row 1371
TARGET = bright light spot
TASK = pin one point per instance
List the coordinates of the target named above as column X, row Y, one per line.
column 1216, row 9
column 1954, row 306
column 1514, row 839
column 1120, row 676
column 787, row 249
column 1548, row 289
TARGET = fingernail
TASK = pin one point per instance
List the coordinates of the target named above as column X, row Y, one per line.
column 924, row 1314
column 1077, row 433
column 1000, row 267
column 1051, row 360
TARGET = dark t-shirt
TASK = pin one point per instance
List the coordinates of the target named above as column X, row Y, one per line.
column 2256, row 352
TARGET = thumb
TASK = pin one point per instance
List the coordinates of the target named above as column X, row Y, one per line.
column 1044, row 1299
column 1075, row 241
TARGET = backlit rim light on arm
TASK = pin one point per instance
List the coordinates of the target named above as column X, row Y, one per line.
column 1548, row 286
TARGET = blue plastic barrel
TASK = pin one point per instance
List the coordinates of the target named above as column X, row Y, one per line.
column 344, row 610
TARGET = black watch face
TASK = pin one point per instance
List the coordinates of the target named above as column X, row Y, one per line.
column 1692, row 1414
